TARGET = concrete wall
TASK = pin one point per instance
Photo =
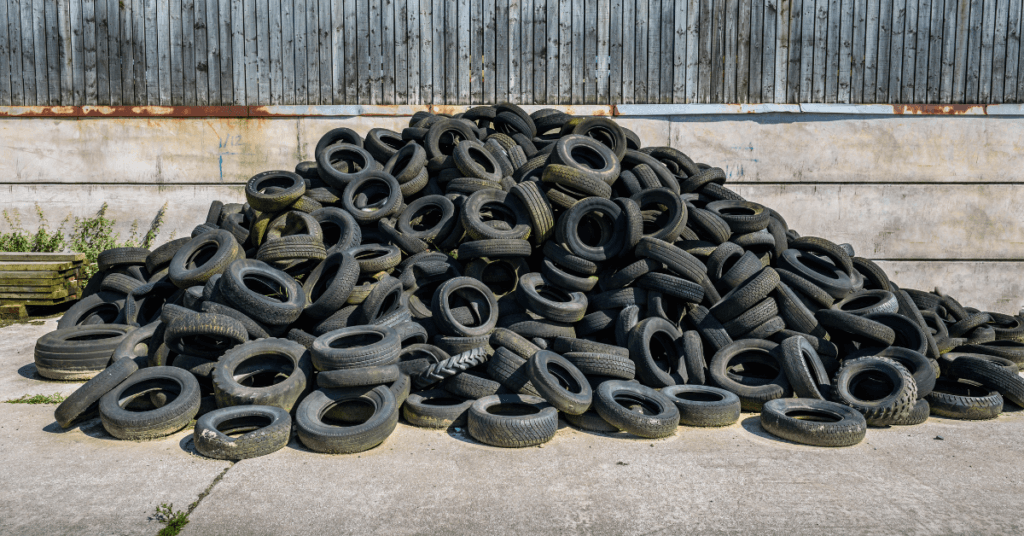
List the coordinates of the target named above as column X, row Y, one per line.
column 936, row 198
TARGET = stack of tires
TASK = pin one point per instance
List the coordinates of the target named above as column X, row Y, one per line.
column 495, row 270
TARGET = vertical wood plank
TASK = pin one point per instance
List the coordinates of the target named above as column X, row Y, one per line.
column 1017, row 83
column 464, row 69
column 412, row 27
column 388, row 54
column 987, row 38
column 845, row 51
column 821, row 49
column 324, row 55
column 238, row 56
column 66, row 62
column 995, row 94
column 590, row 52
column 301, row 47
column 924, row 19
column 553, row 33
column 89, row 32
column 439, row 51
column 102, row 53
column 540, row 51
column 628, row 64
column 959, row 56
column 756, row 50
column 32, row 27
column 705, row 48
column 490, row 51
column 871, row 52
column 679, row 52
column 213, row 51
column 350, row 64
column 151, row 52
column 526, row 63
column 1012, row 53
column 15, row 44
column 275, row 36
column 885, row 18
column 565, row 51
column 514, row 58
column 177, row 69
column 974, row 46
column 251, row 49
column 909, row 52
column 615, row 47
column 201, row 54
column 313, row 51
column 668, row 13
column 578, row 50
column 188, row 52
column 732, row 43
column 401, row 52
column 654, row 50
column 794, row 59
column 775, row 69
column 452, row 53
column 860, row 27
column 426, row 51
column 226, row 41
column 743, row 53
column 640, row 53
column 53, row 53
column 339, row 54
column 693, row 12
column 5, row 56
column 718, row 35
column 501, row 60
column 899, row 16
column 603, row 49
column 362, row 25
column 954, row 33
column 807, row 55
column 934, row 69
column 476, row 51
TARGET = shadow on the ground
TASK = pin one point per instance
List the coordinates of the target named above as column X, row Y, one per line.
column 752, row 424
column 30, row 372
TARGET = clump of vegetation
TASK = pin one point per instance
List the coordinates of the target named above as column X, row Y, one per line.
column 55, row 398
column 90, row 236
column 172, row 520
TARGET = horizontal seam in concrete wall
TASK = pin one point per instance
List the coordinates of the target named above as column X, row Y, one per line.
column 622, row 110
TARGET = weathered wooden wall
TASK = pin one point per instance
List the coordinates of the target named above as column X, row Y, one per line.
column 261, row 52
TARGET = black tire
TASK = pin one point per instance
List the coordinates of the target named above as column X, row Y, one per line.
column 373, row 181
column 693, row 356
column 833, row 280
column 512, row 421
column 867, row 302
column 538, row 209
column 566, row 280
column 751, row 318
column 339, row 228
column 475, row 161
column 161, row 257
column 878, row 410
column 267, row 430
column 436, row 408
column 504, row 338
column 660, row 416
column 203, row 257
column 685, row 290
column 920, row 367
column 705, row 406
column 989, row 375
column 918, row 415
column 510, row 370
column 746, row 295
column 964, row 400
column 356, row 347
column 795, row 313
column 604, row 214
column 814, row 296
column 255, row 329
column 328, row 286
column 540, row 296
column 382, row 143
column 857, row 327
column 78, row 353
column 804, row 369
column 494, row 249
column 559, row 382
column 274, row 191
column 814, row 422
column 342, row 164
column 495, row 202
column 338, row 135
column 121, row 257
column 319, row 436
column 463, row 288
column 469, row 385
column 908, row 333
column 710, row 329
column 245, row 281
column 602, row 364
column 742, row 216
column 124, row 423
column 98, row 308
column 205, row 335
column 267, row 357
column 653, row 346
column 84, row 402
column 753, row 389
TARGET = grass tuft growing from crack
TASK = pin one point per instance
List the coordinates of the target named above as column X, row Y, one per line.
column 172, row 520
column 55, row 398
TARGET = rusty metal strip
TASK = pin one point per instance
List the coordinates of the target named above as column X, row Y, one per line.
column 627, row 110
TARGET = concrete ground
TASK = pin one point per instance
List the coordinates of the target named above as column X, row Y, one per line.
column 941, row 477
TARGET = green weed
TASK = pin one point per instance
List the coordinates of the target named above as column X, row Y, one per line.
column 172, row 520
column 55, row 398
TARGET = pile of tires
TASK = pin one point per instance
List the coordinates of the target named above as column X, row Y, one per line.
column 496, row 270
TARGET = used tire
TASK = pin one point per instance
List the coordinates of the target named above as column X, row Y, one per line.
column 702, row 405
column 124, row 423
column 267, row 430
column 512, row 421
column 814, row 422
